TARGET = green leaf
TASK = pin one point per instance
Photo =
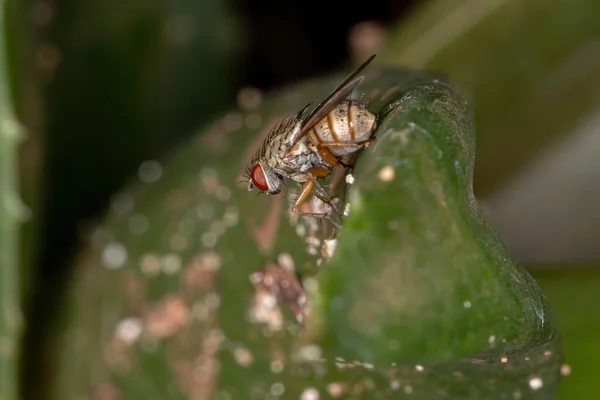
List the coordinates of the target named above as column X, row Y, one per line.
column 420, row 298
column 12, row 213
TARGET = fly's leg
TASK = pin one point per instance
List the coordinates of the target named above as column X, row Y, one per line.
column 345, row 144
column 319, row 172
column 319, row 216
column 327, row 156
column 389, row 108
column 349, row 162
column 302, row 196
column 307, row 188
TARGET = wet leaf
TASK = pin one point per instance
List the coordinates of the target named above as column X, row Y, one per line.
column 187, row 290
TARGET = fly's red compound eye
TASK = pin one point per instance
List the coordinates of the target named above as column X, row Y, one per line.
column 258, row 178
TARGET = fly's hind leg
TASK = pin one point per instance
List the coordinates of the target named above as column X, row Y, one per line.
column 319, row 216
column 346, row 144
column 327, row 155
column 331, row 158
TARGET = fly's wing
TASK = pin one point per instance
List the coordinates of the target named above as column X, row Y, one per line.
column 338, row 95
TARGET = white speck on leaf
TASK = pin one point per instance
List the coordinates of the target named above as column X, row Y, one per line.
column 536, row 383
column 114, row 256
column 386, row 174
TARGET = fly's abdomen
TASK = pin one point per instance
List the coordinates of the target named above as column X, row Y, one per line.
column 345, row 129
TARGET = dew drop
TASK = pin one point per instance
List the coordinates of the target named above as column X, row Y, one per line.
column 114, row 256
column 310, row 352
column 122, row 204
column 565, row 370
column 171, row 264
column 129, row 330
column 149, row 264
column 347, row 210
column 310, row 394
column 277, row 389
column 150, row 171
column 286, row 261
column 213, row 300
column 335, row 389
column 386, row 174
column 249, row 98
column 330, row 246
column 231, row 216
column 209, row 239
column 223, row 193
column 138, row 224
column 536, row 383
column 276, row 366
column 243, row 356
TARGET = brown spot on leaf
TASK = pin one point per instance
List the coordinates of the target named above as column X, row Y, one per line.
column 200, row 272
column 265, row 234
column 135, row 293
column 264, row 310
column 166, row 317
column 282, row 286
column 197, row 374
column 107, row 391
column 176, row 200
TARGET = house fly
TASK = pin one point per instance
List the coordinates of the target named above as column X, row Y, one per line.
column 305, row 148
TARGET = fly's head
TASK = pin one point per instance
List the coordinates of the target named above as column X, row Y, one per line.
column 260, row 173
column 264, row 178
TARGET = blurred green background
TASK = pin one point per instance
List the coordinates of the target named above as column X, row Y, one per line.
column 103, row 86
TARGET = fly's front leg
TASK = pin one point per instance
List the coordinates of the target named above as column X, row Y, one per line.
column 302, row 196
column 305, row 191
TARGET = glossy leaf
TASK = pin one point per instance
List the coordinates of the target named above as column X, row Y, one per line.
column 420, row 298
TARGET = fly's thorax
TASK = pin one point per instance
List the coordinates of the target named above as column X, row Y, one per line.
column 299, row 159
column 349, row 122
column 278, row 144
